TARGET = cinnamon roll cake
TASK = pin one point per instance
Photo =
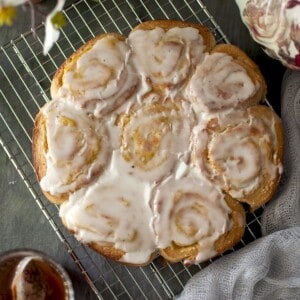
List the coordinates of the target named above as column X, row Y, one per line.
column 155, row 143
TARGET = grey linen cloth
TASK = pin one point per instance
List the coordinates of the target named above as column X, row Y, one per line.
column 269, row 267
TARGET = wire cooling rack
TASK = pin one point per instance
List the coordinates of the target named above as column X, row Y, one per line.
column 25, row 81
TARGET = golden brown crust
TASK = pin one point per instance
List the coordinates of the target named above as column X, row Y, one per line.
column 176, row 253
column 75, row 177
column 232, row 237
column 39, row 150
column 264, row 129
column 268, row 185
column 110, row 252
column 249, row 65
column 39, row 146
column 107, row 251
column 71, row 61
column 208, row 38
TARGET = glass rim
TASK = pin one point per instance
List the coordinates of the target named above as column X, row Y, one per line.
column 27, row 252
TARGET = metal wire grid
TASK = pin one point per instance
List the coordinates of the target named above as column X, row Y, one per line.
column 25, row 76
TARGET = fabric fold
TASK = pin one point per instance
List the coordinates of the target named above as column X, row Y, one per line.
column 284, row 209
column 267, row 268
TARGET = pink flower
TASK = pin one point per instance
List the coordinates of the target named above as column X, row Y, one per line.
column 276, row 26
column 266, row 20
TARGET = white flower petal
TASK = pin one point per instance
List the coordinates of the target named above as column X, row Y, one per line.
column 52, row 33
column 12, row 2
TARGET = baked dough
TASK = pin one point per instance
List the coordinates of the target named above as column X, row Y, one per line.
column 194, row 220
column 172, row 50
column 143, row 154
column 98, row 76
column 63, row 169
column 242, row 153
column 226, row 78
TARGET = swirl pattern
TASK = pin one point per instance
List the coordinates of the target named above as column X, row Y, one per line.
column 76, row 148
column 221, row 82
column 241, row 152
column 101, row 79
column 190, row 215
column 148, row 142
column 171, row 54
column 152, row 141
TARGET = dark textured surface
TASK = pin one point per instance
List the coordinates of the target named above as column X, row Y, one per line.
column 21, row 223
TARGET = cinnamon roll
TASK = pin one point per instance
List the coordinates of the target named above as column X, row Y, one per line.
column 191, row 217
column 70, row 149
column 152, row 141
column 156, row 136
column 112, row 216
column 167, row 51
column 242, row 153
column 98, row 76
column 226, row 79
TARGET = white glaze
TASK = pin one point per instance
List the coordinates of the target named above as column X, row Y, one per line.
column 78, row 148
column 235, row 154
column 219, row 83
column 102, row 78
column 116, row 208
column 156, row 138
column 166, row 57
column 114, row 211
column 190, row 211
